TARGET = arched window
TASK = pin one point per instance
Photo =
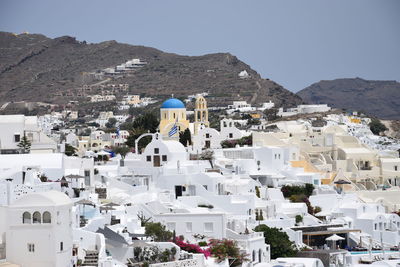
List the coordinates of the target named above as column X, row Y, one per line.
column 26, row 217
column 260, row 255
column 46, row 217
column 254, row 255
column 36, row 217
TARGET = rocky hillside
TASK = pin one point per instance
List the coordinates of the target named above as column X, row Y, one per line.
column 36, row 68
column 376, row 98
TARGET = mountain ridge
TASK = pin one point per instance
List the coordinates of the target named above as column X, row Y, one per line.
column 33, row 67
column 377, row 98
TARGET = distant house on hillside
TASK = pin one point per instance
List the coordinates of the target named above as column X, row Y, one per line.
column 243, row 74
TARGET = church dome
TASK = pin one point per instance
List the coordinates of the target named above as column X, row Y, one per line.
column 173, row 103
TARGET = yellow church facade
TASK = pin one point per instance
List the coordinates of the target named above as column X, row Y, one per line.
column 172, row 118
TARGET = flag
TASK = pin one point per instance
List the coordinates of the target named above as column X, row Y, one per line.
column 118, row 131
column 173, row 130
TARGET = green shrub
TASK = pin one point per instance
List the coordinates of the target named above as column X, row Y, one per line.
column 377, row 126
column 202, row 243
column 299, row 219
column 289, row 190
column 279, row 242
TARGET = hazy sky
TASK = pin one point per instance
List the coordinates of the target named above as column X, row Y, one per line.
column 295, row 43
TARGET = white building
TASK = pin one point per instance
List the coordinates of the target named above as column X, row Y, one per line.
column 15, row 127
column 38, row 230
column 243, row 74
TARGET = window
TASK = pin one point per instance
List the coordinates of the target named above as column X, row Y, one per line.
column 395, row 168
column 164, row 157
column 17, row 138
column 207, row 135
column 375, row 226
column 148, row 158
column 26, row 217
column 36, row 217
column 230, row 135
column 171, row 226
column 189, row 227
column 156, row 150
column 87, row 177
column 208, row 227
column 61, row 246
column 31, row 247
column 174, row 115
column 46, row 217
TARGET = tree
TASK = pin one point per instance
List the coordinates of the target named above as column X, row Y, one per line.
column 208, row 155
column 158, row 232
column 271, row 114
column 24, row 144
column 185, row 137
column 148, row 122
column 111, row 122
column 279, row 241
column 135, row 134
column 122, row 150
column 289, row 190
column 377, row 126
column 70, row 150
column 143, row 219
column 299, row 219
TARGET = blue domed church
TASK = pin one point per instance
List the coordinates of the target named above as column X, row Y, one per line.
column 173, row 118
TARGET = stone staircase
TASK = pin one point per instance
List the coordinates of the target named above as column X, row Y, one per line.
column 91, row 258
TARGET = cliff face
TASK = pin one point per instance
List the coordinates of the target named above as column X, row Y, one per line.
column 36, row 68
column 376, row 98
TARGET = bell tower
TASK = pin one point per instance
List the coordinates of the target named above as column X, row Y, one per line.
column 200, row 114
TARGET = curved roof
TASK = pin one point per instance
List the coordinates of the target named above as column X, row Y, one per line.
column 174, row 146
column 172, row 103
column 43, row 199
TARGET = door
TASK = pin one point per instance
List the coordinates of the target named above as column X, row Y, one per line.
column 156, row 161
column 178, row 191
column 208, row 144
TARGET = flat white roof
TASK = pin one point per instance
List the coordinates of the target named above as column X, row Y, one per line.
column 45, row 160
column 357, row 150
column 48, row 198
